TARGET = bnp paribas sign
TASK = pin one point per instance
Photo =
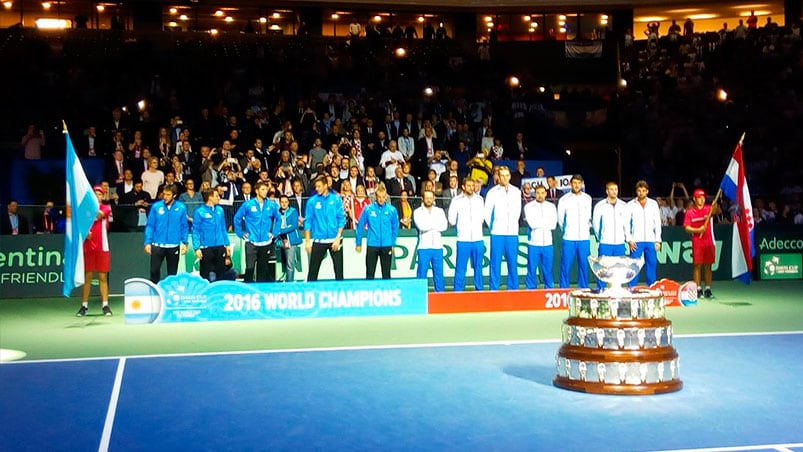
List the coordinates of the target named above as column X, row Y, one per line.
column 781, row 266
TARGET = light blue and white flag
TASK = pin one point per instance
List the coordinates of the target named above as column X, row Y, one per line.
column 81, row 209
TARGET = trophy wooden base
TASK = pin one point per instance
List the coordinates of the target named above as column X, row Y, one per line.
column 618, row 389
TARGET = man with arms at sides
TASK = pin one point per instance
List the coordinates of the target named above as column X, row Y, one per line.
column 645, row 231
column 255, row 222
column 574, row 219
column 611, row 222
column 13, row 222
column 502, row 214
column 542, row 218
column 191, row 199
column 97, row 257
column 209, row 237
column 324, row 221
column 698, row 223
column 467, row 213
column 431, row 222
column 288, row 238
column 382, row 221
column 166, row 233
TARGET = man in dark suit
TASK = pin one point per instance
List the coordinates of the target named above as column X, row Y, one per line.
column 518, row 149
column 13, row 223
column 391, row 130
column 451, row 170
column 115, row 168
column 398, row 183
column 89, row 145
column 450, row 191
column 424, row 150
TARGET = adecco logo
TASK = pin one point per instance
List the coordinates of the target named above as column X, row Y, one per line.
column 775, row 244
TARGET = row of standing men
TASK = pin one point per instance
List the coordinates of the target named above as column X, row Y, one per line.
column 265, row 227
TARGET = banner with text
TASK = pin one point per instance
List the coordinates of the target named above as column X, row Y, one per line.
column 189, row 298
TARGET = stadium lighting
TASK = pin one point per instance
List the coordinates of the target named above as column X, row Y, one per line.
column 52, row 24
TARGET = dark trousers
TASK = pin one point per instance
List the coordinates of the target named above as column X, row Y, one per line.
column 316, row 257
column 159, row 254
column 384, row 254
column 213, row 260
column 263, row 259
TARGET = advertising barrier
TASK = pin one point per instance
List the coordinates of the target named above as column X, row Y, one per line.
column 780, row 252
column 31, row 266
column 189, row 298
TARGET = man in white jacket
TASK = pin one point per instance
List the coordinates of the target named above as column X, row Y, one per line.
column 611, row 223
column 431, row 222
column 502, row 213
column 542, row 217
column 574, row 218
column 645, row 231
column 467, row 213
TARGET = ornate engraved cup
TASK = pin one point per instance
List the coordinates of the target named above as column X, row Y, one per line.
column 615, row 272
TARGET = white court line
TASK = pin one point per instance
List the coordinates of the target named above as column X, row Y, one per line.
column 107, row 426
column 372, row 347
column 778, row 447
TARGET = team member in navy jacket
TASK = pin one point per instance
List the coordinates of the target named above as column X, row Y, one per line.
column 324, row 220
column 260, row 216
column 287, row 237
column 383, row 228
column 209, row 237
column 166, row 233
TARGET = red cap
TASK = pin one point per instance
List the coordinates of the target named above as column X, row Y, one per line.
column 699, row 192
column 99, row 188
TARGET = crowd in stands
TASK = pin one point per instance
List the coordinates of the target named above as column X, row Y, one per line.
column 351, row 111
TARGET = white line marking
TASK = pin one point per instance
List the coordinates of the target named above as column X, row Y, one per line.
column 107, row 426
column 372, row 347
column 778, row 447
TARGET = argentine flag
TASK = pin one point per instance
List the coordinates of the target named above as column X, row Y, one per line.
column 81, row 209
column 734, row 186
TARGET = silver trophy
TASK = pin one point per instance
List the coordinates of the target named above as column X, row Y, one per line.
column 615, row 272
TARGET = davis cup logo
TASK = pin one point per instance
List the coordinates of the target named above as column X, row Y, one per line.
column 770, row 266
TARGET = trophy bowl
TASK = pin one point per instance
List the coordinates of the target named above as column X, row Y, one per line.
column 615, row 272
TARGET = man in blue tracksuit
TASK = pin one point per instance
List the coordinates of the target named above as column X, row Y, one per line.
column 166, row 233
column 209, row 237
column 382, row 221
column 259, row 216
column 324, row 220
column 574, row 219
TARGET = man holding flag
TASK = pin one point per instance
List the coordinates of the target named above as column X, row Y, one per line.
column 83, row 212
column 734, row 186
column 96, row 255
column 697, row 222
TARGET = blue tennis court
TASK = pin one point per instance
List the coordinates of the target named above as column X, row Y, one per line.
column 739, row 391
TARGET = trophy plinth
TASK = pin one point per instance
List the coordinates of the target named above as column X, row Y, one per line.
column 617, row 341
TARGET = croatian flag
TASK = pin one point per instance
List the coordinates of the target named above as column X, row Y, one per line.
column 734, row 186
column 81, row 209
